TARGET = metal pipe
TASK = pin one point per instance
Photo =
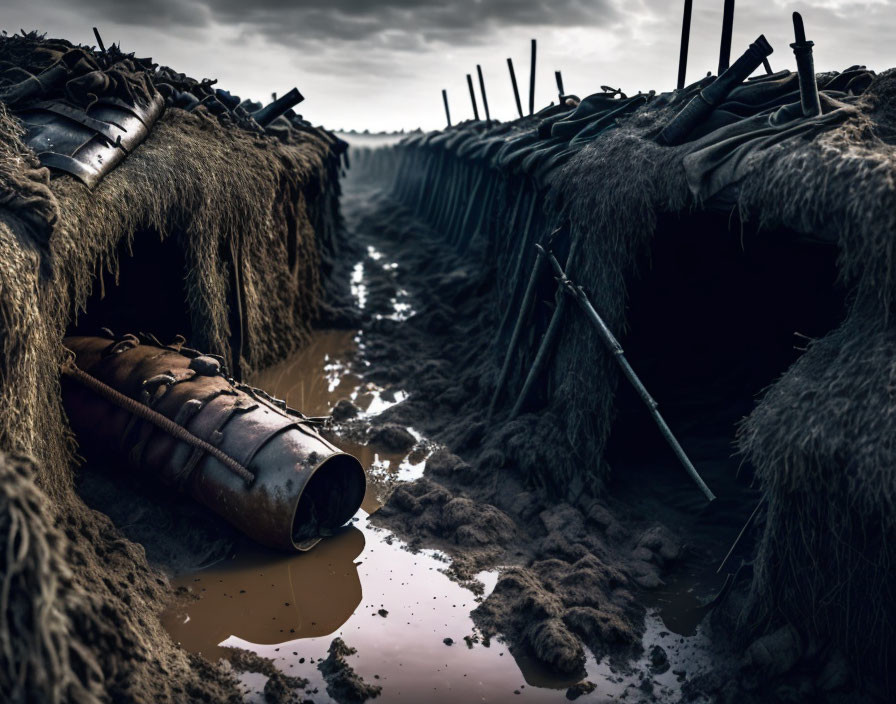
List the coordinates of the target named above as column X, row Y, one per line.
column 273, row 110
column 706, row 100
column 447, row 111
column 516, row 90
column 805, row 65
column 472, row 97
column 532, row 80
column 618, row 354
column 559, row 78
column 727, row 30
column 685, row 41
column 488, row 116
column 172, row 414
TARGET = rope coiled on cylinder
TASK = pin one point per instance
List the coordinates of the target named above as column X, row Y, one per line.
column 71, row 370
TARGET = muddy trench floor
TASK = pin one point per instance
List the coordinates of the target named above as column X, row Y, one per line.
column 455, row 582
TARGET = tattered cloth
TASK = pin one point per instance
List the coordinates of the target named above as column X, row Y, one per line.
column 758, row 116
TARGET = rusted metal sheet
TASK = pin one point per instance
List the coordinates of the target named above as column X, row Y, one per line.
column 88, row 142
column 268, row 471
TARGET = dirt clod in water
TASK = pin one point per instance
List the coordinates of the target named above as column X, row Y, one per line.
column 344, row 410
column 392, row 438
column 580, row 689
column 659, row 661
column 280, row 688
column 343, row 683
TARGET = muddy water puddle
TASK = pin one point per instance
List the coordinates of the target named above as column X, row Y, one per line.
column 395, row 605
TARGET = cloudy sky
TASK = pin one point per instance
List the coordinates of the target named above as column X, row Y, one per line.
column 382, row 65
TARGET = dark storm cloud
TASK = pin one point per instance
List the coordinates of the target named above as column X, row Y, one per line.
column 402, row 25
column 158, row 13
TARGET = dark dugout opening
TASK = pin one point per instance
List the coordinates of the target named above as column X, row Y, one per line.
column 716, row 316
column 149, row 296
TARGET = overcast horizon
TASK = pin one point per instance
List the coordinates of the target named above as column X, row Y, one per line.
column 382, row 65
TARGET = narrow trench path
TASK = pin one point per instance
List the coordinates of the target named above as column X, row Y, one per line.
column 395, row 605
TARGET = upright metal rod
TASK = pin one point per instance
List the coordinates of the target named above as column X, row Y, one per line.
column 685, row 41
column 616, row 350
column 488, row 116
column 727, row 29
column 532, row 80
column 447, row 111
column 805, row 64
column 560, row 91
column 472, row 97
column 516, row 90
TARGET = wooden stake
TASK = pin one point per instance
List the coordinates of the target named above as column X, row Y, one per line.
column 727, row 29
column 472, row 97
column 685, row 41
column 532, row 80
column 447, row 111
column 516, row 90
column 488, row 116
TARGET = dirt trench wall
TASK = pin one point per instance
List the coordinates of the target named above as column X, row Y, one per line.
column 820, row 439
column 80, row 610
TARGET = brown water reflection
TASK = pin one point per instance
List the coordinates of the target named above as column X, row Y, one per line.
column 266, row 597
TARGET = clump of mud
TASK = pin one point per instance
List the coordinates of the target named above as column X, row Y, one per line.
column 279, row 688
column 343, row 683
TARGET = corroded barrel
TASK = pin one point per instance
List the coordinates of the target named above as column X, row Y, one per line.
column 170, row 412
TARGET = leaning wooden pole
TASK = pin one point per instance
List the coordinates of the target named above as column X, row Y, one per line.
column 447, row 111
column 727, row 30
column 685, row 42
column 532, row 80
column 559, row 78
column 472, row 97
column 488, row 116
column 516, row 89
column 616, row 350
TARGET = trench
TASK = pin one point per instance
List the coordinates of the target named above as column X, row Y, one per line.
column 713, row 301
column 393, row 602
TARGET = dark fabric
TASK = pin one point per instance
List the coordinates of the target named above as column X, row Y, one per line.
column 764, row 93
column 723, row 157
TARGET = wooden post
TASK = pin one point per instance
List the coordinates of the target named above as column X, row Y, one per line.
column 532, row 81
column 447, row 111
column 727, row 29
column 516, row 90
column 560, row 91
column 488, row 116
column 685, row 41
column 472, row 97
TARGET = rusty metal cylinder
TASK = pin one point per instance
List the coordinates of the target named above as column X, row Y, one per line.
column 170, row 413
